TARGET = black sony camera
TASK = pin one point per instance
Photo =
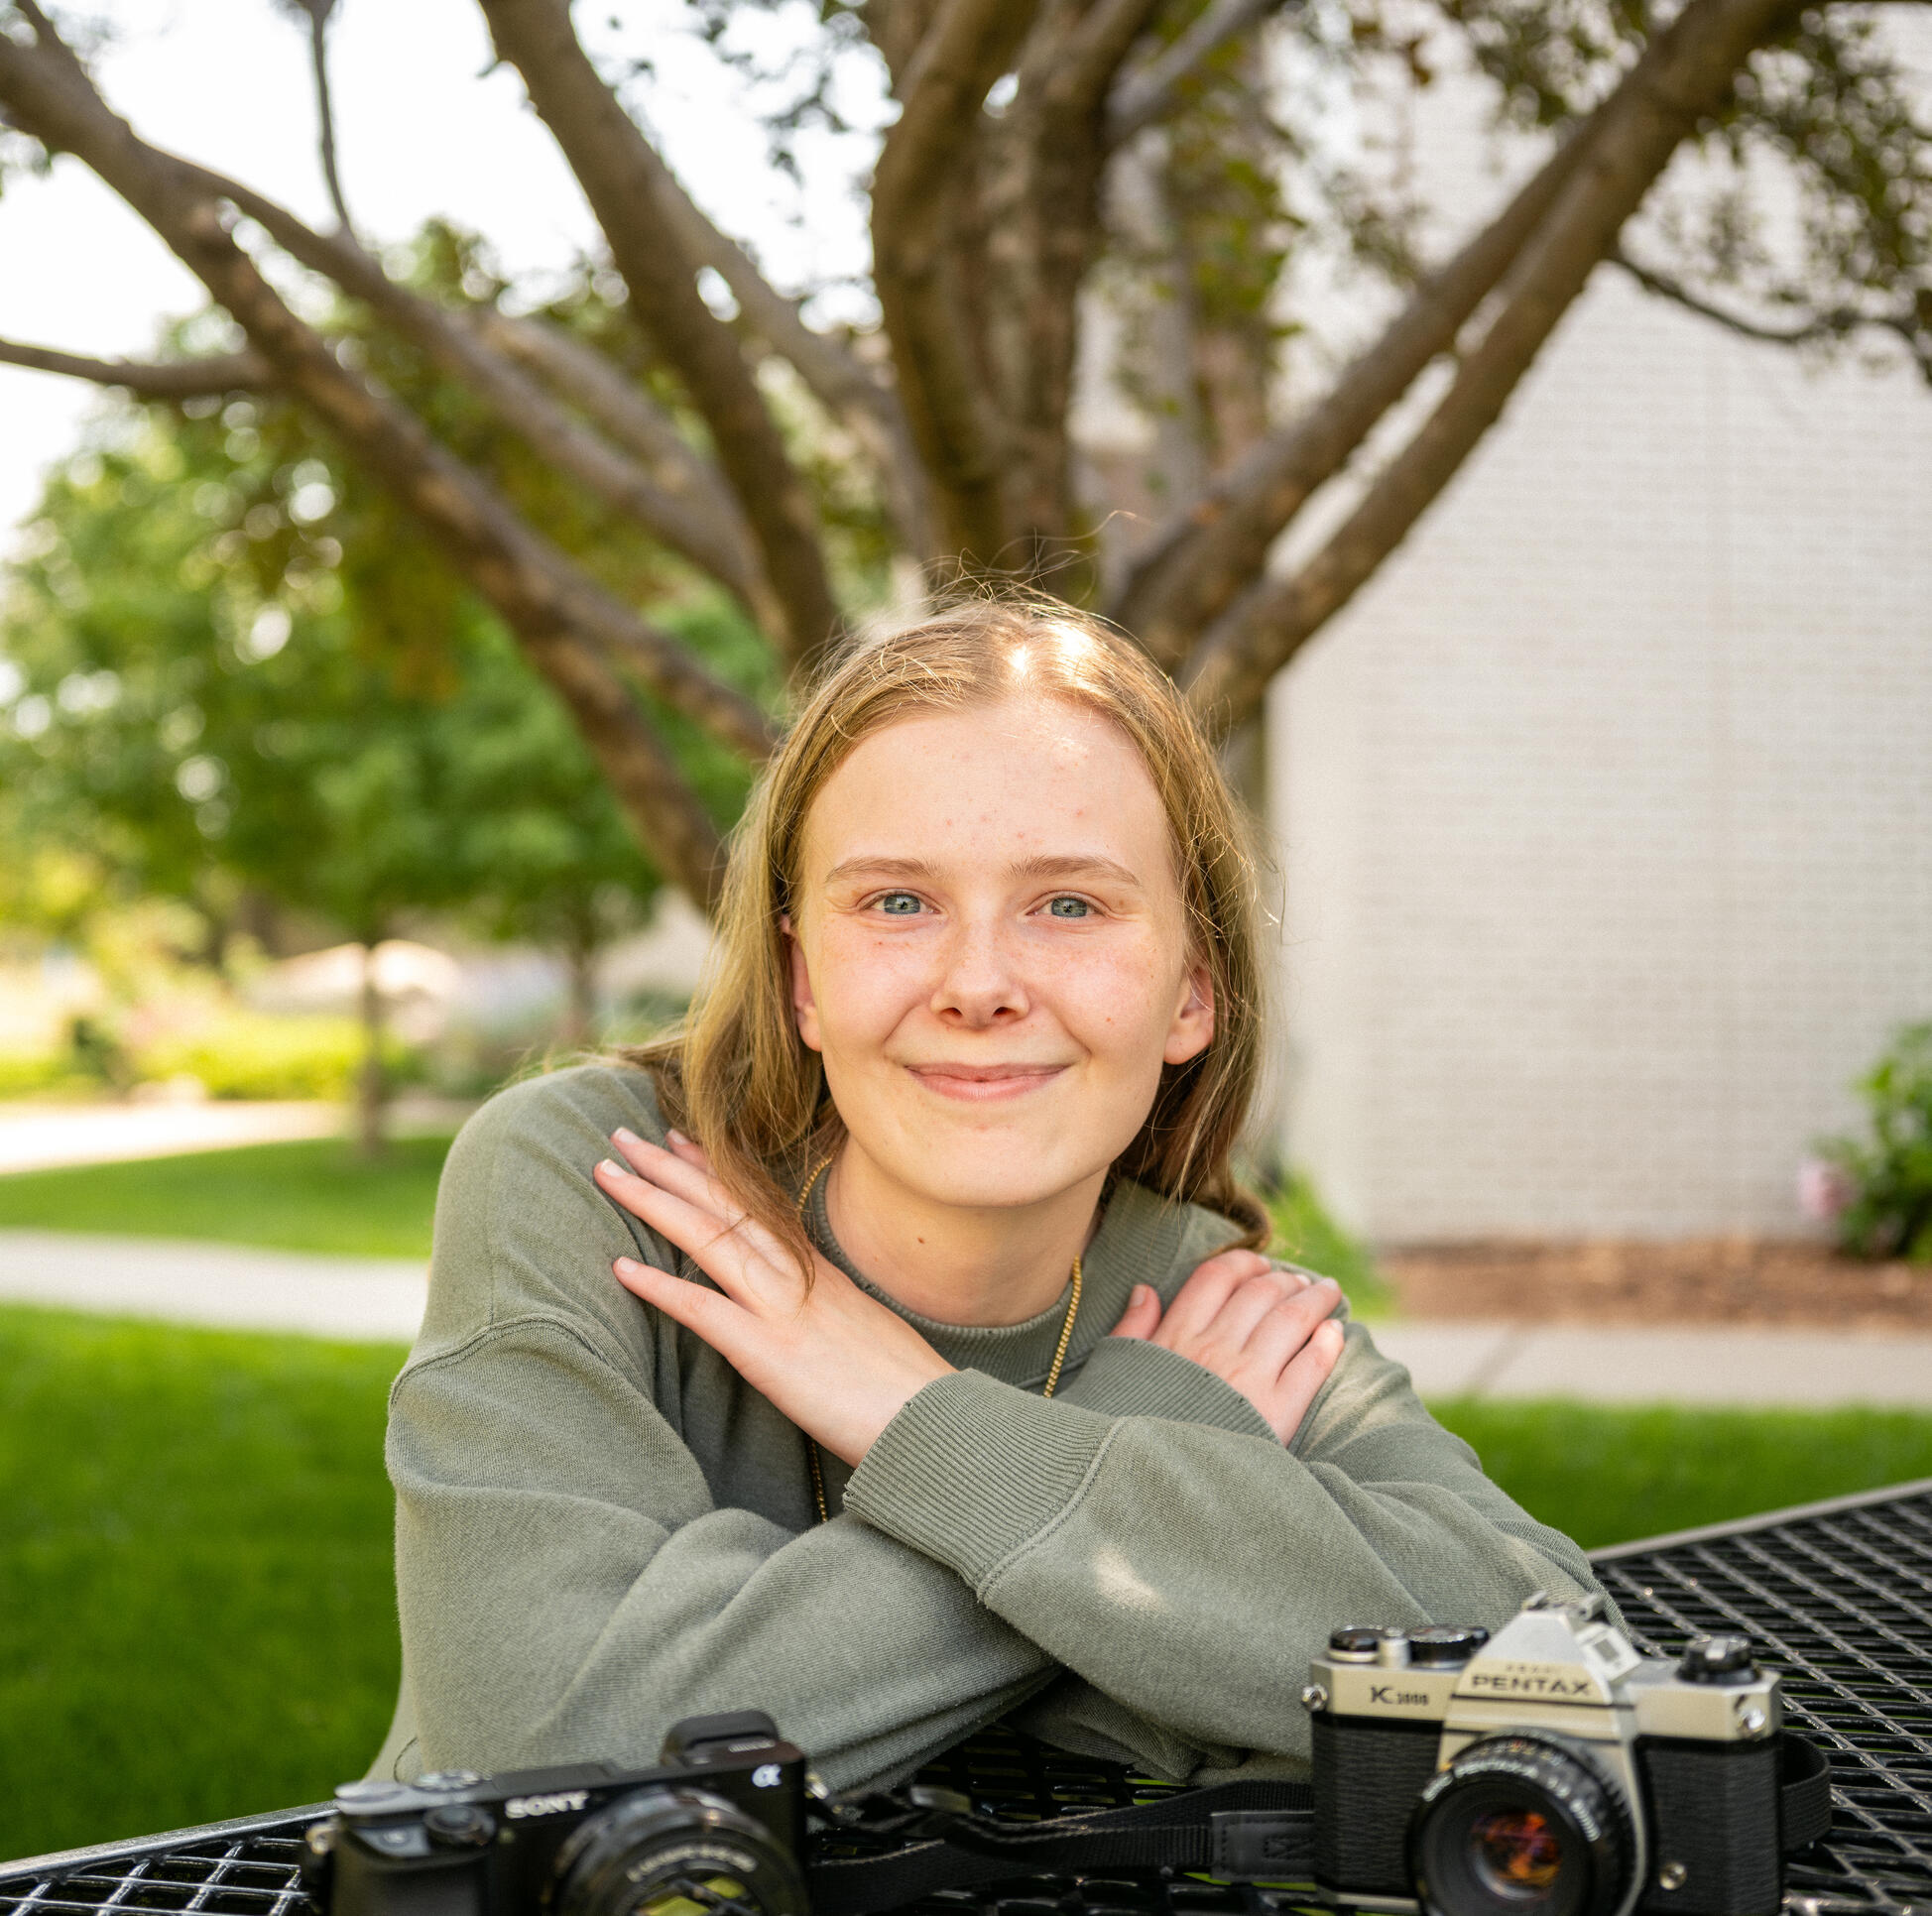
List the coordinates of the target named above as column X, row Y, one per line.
column 1551, row 1770
column 717, row 1829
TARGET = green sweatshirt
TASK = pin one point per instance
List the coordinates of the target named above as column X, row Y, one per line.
column 601, row 1529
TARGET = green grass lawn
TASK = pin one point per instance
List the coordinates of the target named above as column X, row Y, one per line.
column 311, row 1196
column 1305, row 1233
column 196, row 1610
column 319, row 1196
column 1607, row 1474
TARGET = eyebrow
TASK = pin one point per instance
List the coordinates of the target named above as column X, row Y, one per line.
column 1041, row 864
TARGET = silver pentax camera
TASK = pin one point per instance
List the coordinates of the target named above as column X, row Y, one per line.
column 1547, row 1770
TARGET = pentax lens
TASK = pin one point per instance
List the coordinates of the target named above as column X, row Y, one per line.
column 674, row 1851
column 1516, row 1854
column 1521, row 1826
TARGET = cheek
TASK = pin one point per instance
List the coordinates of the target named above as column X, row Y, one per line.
column 1120, row 998
column 864, row 984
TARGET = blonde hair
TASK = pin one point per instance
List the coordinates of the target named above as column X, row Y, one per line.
column 737, row 1076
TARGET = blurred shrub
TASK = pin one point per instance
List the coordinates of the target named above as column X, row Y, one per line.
column 642, row 1016
column 1304, row 1233
column 24, row 1073
column 468, row 1064
column 251, row 1054
column 1886, row 1178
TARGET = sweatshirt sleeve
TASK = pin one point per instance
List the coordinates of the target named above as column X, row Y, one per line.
column 569, row 1583
column 1127, row 1376
column 1187, row 1572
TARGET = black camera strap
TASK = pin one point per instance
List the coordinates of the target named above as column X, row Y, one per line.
column 1804, row 1792
column 1259, row 1832
column 1244, row 1831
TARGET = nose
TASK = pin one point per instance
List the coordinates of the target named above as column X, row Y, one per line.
column 979, row 982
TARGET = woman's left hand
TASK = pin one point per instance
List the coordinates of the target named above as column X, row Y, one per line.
column 837, row 1363
column 1267, row 1331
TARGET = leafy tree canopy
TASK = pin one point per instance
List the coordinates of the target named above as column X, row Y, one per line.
column 1071, row 205
column 241, row 669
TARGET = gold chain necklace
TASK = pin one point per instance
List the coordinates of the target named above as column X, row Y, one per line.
column 1053, row 1375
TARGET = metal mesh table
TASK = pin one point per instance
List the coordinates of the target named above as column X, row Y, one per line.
column 1839, row 1595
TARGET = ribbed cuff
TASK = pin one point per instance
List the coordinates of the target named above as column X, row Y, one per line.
column 1126, row 1377
column 972, row 1469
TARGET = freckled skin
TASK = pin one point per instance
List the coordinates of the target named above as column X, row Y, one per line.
column 926, row 941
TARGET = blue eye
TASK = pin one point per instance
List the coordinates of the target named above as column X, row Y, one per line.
column 1069, row 907
column 898, row 905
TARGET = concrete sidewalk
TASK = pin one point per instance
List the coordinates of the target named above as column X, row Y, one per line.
column 35, row 1138
column 235, row 1287
column 1709, row 1363
column 44, row 1137
column 225, row 1285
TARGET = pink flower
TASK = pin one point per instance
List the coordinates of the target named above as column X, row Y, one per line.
column 1824, row 1190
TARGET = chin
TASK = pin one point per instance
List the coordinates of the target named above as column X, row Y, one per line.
column 1028, row 1175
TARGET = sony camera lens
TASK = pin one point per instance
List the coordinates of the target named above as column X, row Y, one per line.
column 1521, row 1826
column 676, row 1851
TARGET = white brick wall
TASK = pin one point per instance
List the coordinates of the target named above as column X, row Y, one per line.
column 1606, row 808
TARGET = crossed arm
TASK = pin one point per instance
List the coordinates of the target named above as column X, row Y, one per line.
column 571, row 1580
column 842, row 1367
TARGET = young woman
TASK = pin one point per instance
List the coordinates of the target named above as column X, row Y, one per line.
column 892, row 1350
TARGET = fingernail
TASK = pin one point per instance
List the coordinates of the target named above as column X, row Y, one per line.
column 1142, row 1292
column 622, row 1135
column 676, row 1137
column 610, row 1167
column 626, row 1266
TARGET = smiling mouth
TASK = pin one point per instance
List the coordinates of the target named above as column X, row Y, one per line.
column 984, row 1083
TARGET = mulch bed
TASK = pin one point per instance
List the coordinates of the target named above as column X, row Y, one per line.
column 1699, row 1280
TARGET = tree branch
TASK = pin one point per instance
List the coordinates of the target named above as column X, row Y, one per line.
column 670, row 822
column 1684, row 74
column 1838, row 323
column 1096, row 50
column 709, row 531
column 167, row 379
column 870, row 410
column 629, row 188
column 582, row 377
column 562, row 617
column 1209, row 553
column 1039, row 199
column 319, row 12
column 1148, row 93
column 916, row 193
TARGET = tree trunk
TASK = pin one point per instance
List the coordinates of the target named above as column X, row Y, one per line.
column 372, row 1085
column 217, row 929
column 580, row 1008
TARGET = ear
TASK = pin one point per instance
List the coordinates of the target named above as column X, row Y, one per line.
column 804, row 1007
column 1193, row 1027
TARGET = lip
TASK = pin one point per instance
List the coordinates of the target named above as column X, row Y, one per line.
column 979, row 1084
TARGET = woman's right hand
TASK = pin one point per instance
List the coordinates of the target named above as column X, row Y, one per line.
column 1264, row 1331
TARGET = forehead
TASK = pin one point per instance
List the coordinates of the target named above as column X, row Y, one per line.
column 1020, row 775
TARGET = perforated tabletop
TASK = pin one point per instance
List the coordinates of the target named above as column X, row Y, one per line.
column 1838, row 1596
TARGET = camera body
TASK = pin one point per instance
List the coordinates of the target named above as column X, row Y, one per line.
column 1547, row 1770
column 717, row 1829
